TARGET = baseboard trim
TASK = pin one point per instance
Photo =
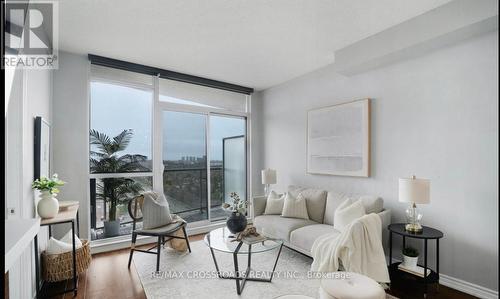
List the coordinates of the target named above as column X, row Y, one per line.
column 463, row 286
column 467, row 287
column 122, row 242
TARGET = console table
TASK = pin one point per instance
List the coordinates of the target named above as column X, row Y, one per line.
column 69, row 215
column 428, row 233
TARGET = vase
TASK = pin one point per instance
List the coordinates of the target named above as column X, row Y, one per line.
column 410, row 262
column 48, row 206
column 236, row 223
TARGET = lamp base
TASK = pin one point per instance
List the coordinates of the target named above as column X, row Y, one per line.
column 413, row 228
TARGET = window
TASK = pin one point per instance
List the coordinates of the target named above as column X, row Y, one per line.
column 198, row 133
column 120, row 150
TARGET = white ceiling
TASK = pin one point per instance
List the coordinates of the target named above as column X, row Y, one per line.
column 255, row 43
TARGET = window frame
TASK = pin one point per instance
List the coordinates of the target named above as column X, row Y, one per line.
column 156, row 173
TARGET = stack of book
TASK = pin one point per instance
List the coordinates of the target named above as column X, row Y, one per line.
column 253, row 239
column 418, row 271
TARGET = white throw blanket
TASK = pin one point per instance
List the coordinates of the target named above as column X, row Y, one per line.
column 358, row 247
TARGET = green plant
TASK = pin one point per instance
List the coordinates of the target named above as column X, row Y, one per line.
column 46, row 184
column 410, row 251
column 106, row 159
column 236, row 205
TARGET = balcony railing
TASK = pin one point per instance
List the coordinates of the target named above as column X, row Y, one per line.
column 186, row 191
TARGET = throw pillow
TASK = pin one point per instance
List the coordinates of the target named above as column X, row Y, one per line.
column 67, row 239
column 274, row 204
column 372, row 204
column 155, row 210
column 295, row 207
column 55, row 246
column 347, row 212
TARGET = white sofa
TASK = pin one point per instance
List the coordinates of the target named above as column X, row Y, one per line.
column 300, row 234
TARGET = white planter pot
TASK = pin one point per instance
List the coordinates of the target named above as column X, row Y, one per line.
column 410, row 262
column 48, row 206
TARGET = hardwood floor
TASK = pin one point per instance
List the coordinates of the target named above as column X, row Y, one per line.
column 109, row 278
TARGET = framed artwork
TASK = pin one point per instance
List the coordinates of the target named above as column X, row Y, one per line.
column 338, row 139
column 42, row 148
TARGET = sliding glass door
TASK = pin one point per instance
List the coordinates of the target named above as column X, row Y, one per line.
column 227, row 161
column 185, row 164
column 194, row 188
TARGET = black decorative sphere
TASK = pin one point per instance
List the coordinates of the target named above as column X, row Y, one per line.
column 236, row 223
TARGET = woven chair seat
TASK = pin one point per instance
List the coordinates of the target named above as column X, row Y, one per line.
column 162, row 230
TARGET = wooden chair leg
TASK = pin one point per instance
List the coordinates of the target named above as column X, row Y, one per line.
column 132, row 247
column 158, row 252
column 187, row 239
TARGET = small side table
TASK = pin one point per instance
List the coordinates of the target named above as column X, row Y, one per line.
column 69, row 215
column 428, row 233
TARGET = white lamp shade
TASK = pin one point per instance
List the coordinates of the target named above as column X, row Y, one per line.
column 268, row 176
column 414, row 190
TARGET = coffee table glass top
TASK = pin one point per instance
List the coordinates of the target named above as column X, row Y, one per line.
column 221, row 239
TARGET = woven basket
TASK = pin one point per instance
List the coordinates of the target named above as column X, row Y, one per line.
column 57, row 267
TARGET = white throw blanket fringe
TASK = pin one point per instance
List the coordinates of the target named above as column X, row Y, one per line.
column 358, row 247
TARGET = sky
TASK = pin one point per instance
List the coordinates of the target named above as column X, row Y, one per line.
column 116, row 108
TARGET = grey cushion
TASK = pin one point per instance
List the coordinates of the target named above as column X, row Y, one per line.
column 333, row 200
column 304, row 237
column 315, row 201
column 279, row 227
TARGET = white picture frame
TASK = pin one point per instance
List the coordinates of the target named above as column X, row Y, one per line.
column 338, row 139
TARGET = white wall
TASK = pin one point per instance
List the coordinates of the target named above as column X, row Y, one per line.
column 30, row 96
column 257, row 145
column 436, row 117
column 70, row 133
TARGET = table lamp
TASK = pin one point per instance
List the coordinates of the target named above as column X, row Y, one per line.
column 415, row 191
column 268, row 178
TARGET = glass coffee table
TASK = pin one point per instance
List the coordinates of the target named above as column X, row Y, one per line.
column 220, row 240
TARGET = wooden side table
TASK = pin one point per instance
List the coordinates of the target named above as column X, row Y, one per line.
column 428, row 233
column 69, row 215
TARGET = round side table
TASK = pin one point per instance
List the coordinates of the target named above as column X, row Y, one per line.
column 428, row 233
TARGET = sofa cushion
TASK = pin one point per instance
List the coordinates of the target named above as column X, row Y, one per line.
column 274, row 203
column 279, row 227
column 347, row 212
column 304, row 237
column 372, row 204
column 295, row 207
column 315, row 201
column 333, row 201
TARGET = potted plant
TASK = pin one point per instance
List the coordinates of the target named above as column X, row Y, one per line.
column 48, row 206
column 118, row 190
column 237, row 221
column 410, row 257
